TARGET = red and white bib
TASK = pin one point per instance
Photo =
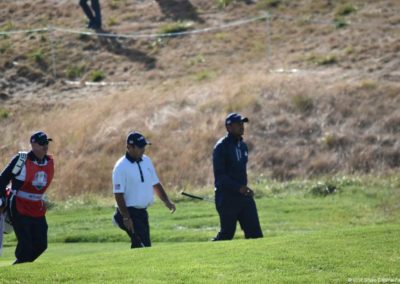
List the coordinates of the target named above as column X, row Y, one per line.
column 29, row 198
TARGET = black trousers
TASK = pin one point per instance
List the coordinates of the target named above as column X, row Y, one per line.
column 31, row 233
column 94, row 18
column 234, row 209
column 140, row 219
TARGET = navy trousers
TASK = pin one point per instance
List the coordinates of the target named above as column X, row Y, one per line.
column 94, row 18
column 232, row 209
column 141, row 226
column 31, row 233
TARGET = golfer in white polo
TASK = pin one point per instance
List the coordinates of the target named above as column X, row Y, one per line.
column 134, row 182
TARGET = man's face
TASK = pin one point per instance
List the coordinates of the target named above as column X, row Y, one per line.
column 40, row 149
column 135, row 151
column 236, row 128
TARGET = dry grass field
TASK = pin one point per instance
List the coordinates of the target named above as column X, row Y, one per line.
column 319, row 82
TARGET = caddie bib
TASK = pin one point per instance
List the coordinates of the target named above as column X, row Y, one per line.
column 29, row 198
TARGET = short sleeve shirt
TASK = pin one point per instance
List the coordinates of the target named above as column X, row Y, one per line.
column 135, row 183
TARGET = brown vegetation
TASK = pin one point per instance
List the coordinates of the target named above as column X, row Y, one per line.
column 338, row 112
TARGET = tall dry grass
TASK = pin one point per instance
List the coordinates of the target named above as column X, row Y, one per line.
column 347, row 129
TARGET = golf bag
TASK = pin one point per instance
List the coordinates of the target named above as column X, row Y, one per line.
column 5, row 221
column 5, row 209
column 6, row 214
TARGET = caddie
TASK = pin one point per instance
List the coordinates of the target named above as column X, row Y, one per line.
column 134, row 181
column 30, row 174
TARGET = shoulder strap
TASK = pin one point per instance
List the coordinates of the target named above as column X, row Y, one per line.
column 20, row 163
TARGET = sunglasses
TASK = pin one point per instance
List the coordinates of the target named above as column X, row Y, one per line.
column 43, row 143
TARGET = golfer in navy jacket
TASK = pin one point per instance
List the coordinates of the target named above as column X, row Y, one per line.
column 134, row 182
column 233, row 198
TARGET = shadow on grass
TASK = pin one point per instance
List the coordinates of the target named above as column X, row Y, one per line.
column 114, row 45
column 179, row 10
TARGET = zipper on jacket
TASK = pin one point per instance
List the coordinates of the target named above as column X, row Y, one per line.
column 238, row 153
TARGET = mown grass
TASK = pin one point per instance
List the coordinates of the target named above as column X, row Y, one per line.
column 352, row 233
column 329, row 257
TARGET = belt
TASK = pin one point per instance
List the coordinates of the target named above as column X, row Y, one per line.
column 30, row 196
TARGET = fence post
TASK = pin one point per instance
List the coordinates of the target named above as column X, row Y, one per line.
column 269, row 40
column 53, row 52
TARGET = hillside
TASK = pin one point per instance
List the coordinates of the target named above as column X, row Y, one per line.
column 319, row 81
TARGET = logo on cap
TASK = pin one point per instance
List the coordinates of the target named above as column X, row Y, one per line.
column 137, row 139
column 40, row 137
column 235, row 117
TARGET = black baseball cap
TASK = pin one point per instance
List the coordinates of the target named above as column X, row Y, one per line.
column 235, row 117
column 137, row 139
column 40, row 137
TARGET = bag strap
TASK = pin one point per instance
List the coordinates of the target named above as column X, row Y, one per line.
column 20, row 163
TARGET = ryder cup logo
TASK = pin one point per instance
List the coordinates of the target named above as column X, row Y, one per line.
column 40, row 180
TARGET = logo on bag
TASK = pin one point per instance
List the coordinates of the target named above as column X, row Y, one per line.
column 40, row 180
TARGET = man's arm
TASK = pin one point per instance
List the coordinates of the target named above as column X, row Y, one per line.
column 128, row 223
column 118, row 179
column 159, row 189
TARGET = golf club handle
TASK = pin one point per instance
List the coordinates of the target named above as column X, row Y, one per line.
column 192, row 196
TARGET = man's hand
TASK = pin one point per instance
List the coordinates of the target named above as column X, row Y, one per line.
column 246, row 191
column 171, row 206
column 159, row 190
column 128, row 224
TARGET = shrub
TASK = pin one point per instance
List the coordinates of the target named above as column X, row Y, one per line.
column 303, row 103
column 368, row 85
column 224, row 3
column 344, row 10
column 198, row 59
column 221, row 36
column 84, row 37
column 176, row 27
column 204, row 75
column 115, row 4
column 37, row 56
column 74, row 72
column 340, row 23
column 323, row 189
column 333, row 141
column 5, row 47
column 7, row 26
column 112, row 21
column 327, row 60
column 97, row 76
column 323, row 59
column 267, row 4
column 4, row 113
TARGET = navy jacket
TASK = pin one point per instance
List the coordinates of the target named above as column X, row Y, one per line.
column 230, row 158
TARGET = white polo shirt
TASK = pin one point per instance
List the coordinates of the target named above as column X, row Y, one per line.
column 137, row 188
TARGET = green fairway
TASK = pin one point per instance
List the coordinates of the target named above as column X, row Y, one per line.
column 351, row 235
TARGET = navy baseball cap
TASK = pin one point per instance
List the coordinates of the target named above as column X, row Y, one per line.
column 137, row 139
column 235, row 117
column 40, row 137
